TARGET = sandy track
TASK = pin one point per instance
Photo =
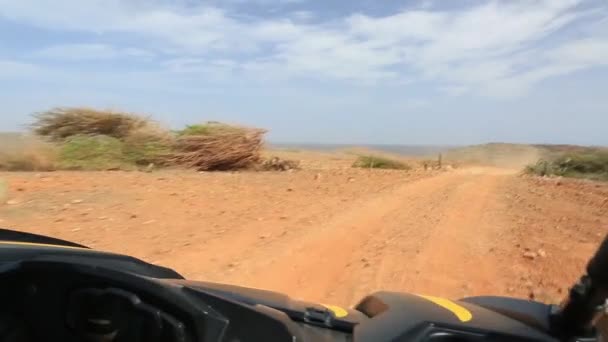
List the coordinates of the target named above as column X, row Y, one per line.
column 331, row 237
column 423, row 236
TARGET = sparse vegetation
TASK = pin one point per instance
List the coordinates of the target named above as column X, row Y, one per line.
column 91, row 139
column 591, row 164
column 376, row 162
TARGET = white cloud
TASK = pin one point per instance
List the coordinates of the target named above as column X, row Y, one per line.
column 499, row 48
column 454, row 90
column 90, row 52
column 302, row 15
column 9, row 69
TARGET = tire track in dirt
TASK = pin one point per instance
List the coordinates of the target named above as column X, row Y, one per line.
column 420, row 234
column 456, row 259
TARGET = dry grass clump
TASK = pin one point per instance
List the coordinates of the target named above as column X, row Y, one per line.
column 61, row 123
column 377, row 162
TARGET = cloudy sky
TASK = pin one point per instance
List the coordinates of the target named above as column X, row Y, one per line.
column 330, row 71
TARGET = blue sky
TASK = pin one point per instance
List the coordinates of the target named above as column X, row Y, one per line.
column 332, row 71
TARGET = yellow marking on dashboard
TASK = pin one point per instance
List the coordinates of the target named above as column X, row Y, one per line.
column 33, row 244
column 337, row 311
column 462, row 313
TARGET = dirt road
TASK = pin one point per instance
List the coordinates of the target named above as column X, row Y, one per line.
column 332, row 236
column 431, row 236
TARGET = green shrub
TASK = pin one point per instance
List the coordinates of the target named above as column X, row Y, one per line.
column 375, row 162
column 592, row 165
column 99, row 152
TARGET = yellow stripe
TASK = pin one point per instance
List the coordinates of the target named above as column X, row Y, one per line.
column 19, row 243
column 462, row 313
column 337, row 311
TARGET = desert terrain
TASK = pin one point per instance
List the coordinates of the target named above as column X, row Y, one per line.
column 329, row 232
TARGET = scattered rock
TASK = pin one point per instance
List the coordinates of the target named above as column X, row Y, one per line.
column 542, row 253
column 351, row 179
column 278, row 164
column 289, row 189
column 530, row 255
column 102, row 218
column 283, row 218
column 75, row 229
column 77, row 201
column 133, row 216
column 233, row 264
column 317, row 176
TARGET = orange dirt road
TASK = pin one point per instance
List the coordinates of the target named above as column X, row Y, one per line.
column 330, row 236
column 428, row 236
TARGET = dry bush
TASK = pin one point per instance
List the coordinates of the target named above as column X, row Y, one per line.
column 211, row 128
column 61, row 123
column 222, row 149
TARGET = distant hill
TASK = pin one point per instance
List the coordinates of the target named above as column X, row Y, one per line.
column 404, row 150
column 512, row 155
